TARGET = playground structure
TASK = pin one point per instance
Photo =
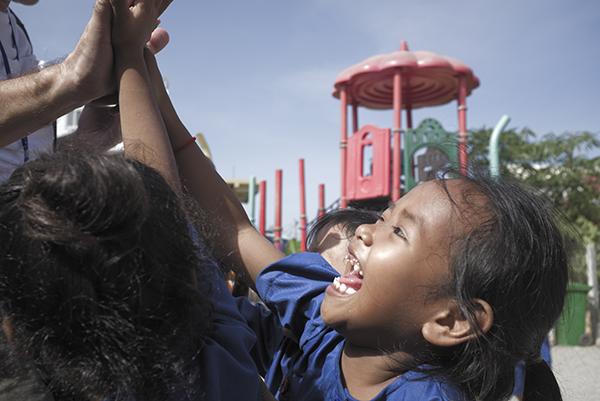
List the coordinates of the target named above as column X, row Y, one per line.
column 377, row 165
column 402, row 80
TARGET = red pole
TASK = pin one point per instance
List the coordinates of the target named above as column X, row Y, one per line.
column 278, row 199
column 354, row 117
column 397, row 156
column 302, row 207
column 409, row 120
column 262, row 219
column 343, row 146
column 321, row 200
column 462, row 124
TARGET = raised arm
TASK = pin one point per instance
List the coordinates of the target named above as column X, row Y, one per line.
column 142, row 127
column 239, row 244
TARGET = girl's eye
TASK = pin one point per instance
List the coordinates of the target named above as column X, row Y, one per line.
column 398, row 231
column 380, row 218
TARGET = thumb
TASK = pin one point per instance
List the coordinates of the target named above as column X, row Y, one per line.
column 158, row 40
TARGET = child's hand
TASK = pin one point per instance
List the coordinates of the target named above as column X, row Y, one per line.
column 134, row 21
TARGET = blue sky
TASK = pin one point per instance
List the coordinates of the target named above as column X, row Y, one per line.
column 256, row 75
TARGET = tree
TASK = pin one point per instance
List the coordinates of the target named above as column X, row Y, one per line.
column 566, row 168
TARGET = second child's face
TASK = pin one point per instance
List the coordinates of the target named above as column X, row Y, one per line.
column 398, row 264
column 333, row 247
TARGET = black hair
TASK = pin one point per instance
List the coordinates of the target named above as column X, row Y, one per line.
column 515, row 260
column 98, row 280
column 349, row 219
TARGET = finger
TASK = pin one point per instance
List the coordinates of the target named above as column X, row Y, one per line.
column 102, row 7
column 119, row 5
column 158, row 40
column 101, row 15
column 163, row 6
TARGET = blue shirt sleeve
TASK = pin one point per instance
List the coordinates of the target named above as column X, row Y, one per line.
column 293, row 288
column 266, row 328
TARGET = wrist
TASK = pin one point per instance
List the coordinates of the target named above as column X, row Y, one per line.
column 64, row 84
column 76, row 81
column 129, row 56
column 128, row 60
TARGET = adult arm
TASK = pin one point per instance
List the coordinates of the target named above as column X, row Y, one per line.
column 239, row 244
column 32, row 101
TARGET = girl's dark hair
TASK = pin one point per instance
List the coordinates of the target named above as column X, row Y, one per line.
column 98, row 279
column 515, row 260
column 349, row 219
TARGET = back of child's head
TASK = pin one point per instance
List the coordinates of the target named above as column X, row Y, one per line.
column 514, row 259
column 346, row 219
column 97, row 278
column 330, row 235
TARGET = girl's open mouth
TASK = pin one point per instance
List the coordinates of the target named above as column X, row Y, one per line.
column 349, row 283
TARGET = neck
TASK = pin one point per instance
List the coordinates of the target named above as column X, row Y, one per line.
column 367, row 371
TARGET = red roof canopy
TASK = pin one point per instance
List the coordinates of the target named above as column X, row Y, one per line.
column 429, row 79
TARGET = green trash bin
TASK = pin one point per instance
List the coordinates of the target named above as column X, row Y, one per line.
column 570, row 327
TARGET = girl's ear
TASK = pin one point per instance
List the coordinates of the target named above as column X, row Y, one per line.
column 450, row 327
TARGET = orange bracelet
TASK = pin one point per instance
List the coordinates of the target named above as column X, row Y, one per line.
column 191, row 140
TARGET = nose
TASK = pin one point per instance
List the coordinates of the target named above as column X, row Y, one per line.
column 364, row 232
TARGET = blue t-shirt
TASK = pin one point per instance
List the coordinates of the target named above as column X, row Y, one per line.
column 294, row 288
column 268, row 331
column 227, row 371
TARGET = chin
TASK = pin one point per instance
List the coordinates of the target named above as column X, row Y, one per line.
column 327, row 315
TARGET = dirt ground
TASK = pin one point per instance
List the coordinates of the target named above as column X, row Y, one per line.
column 577, row 370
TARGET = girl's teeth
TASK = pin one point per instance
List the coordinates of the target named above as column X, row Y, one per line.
column 343, row 288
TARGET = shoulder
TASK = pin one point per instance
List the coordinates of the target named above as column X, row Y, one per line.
column 21, row 34
column 419, row 386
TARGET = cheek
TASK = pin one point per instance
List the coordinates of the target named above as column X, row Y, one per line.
column 405, row 282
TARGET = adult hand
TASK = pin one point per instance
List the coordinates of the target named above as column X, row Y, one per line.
column 89, row 68
column 163, row 6
column 159, row 39
column 134, row 21
column 90, row 65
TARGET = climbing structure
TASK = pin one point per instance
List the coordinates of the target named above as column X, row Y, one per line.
column 371, row 157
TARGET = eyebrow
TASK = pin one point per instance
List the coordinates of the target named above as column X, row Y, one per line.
column 413, row 218
column 416, row 220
